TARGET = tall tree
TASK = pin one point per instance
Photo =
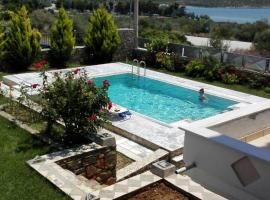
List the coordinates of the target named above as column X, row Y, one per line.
column 102, row 38
column 22, row 41
column 262, row 41
column 2, row 41
column 62, row 40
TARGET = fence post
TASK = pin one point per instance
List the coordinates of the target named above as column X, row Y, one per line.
column 267, row 65
column 221, row 56
column 243, row 61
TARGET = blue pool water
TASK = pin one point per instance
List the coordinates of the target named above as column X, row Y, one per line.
column 162, row 101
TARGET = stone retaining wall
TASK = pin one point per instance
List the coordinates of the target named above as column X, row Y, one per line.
column 98, row 164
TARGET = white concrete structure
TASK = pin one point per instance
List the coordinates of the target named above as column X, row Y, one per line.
column 233, row 45
column 227, row 166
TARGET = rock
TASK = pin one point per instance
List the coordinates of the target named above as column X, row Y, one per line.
column 100, row 164
column 90, row 171
column 111, row 181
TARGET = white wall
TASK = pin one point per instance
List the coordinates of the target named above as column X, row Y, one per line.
column 213, row 155
column 244, row 126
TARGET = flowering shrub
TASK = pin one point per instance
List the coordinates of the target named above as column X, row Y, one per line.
column 76, row 101
column 229, row 78
column 195, row 68
column 164, row 59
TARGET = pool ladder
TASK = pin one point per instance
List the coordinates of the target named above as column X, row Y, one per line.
column 138, row 64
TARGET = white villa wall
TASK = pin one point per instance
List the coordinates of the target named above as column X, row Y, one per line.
column 213, row 155
column 244, row 125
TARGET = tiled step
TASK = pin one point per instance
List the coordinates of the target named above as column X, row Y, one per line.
column 178, row 161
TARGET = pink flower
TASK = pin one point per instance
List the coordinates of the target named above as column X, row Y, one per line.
column 106, row 83
column 110, row 105
column 76, row 71
column 35, row 85
column 89, row 83
column 43, row 62
column 93, row 118
column 37, row 66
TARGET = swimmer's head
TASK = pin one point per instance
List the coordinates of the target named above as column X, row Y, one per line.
column 201, row 91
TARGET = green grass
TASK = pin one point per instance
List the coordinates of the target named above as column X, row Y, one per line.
column 18, row 180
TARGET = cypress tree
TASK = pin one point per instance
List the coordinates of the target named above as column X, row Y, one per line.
column 22, row 41
column 62, row 40
column 2, row 41
column 102, row 38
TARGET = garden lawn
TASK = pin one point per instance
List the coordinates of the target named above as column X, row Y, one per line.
column 17, row 180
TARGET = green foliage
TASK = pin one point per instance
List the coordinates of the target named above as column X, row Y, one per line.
column 22, row 41
column 262, row 40
column 2, row 42
column 267, row 89
column 102, row 38
column 75, row 100
column 255, row 81
column 165, row 60
column 42, row 20
column 30, row 4
column 229, row 78
column 211, row 68
column 217, row 37
column 62, row 40
column 157, row 44
column 195, row 68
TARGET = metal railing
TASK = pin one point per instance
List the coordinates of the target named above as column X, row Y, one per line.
column 45, row 39
column 248, row 62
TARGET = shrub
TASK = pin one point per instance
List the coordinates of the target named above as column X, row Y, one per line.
column 22, row 41
column 255, row 81
column 165, row 60
column 62, row 40
column 211, row 68
column 229, row 78
column 153, row 47
column 157, row 45
column 195, row 68
column 102, row 38
column 267, row 89
column 76, row 101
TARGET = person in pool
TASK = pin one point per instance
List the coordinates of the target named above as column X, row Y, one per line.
column 202, row 97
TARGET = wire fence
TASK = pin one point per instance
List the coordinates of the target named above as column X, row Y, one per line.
column 247, row 62
column 45, row 39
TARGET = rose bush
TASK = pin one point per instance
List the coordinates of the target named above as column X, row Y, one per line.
column 76, row 101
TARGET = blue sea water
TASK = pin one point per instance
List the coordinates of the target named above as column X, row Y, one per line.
column 162, row 101
column 240, row 15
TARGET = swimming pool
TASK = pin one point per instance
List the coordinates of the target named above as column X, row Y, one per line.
column 162, row 101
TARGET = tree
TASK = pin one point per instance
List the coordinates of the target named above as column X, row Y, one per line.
column 22, row 41
column 102, row 38
column 217, row 39
column 62, row 40
column 262, row 40
column 2, row 42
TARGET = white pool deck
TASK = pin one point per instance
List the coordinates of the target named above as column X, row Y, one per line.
column 166, row 136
